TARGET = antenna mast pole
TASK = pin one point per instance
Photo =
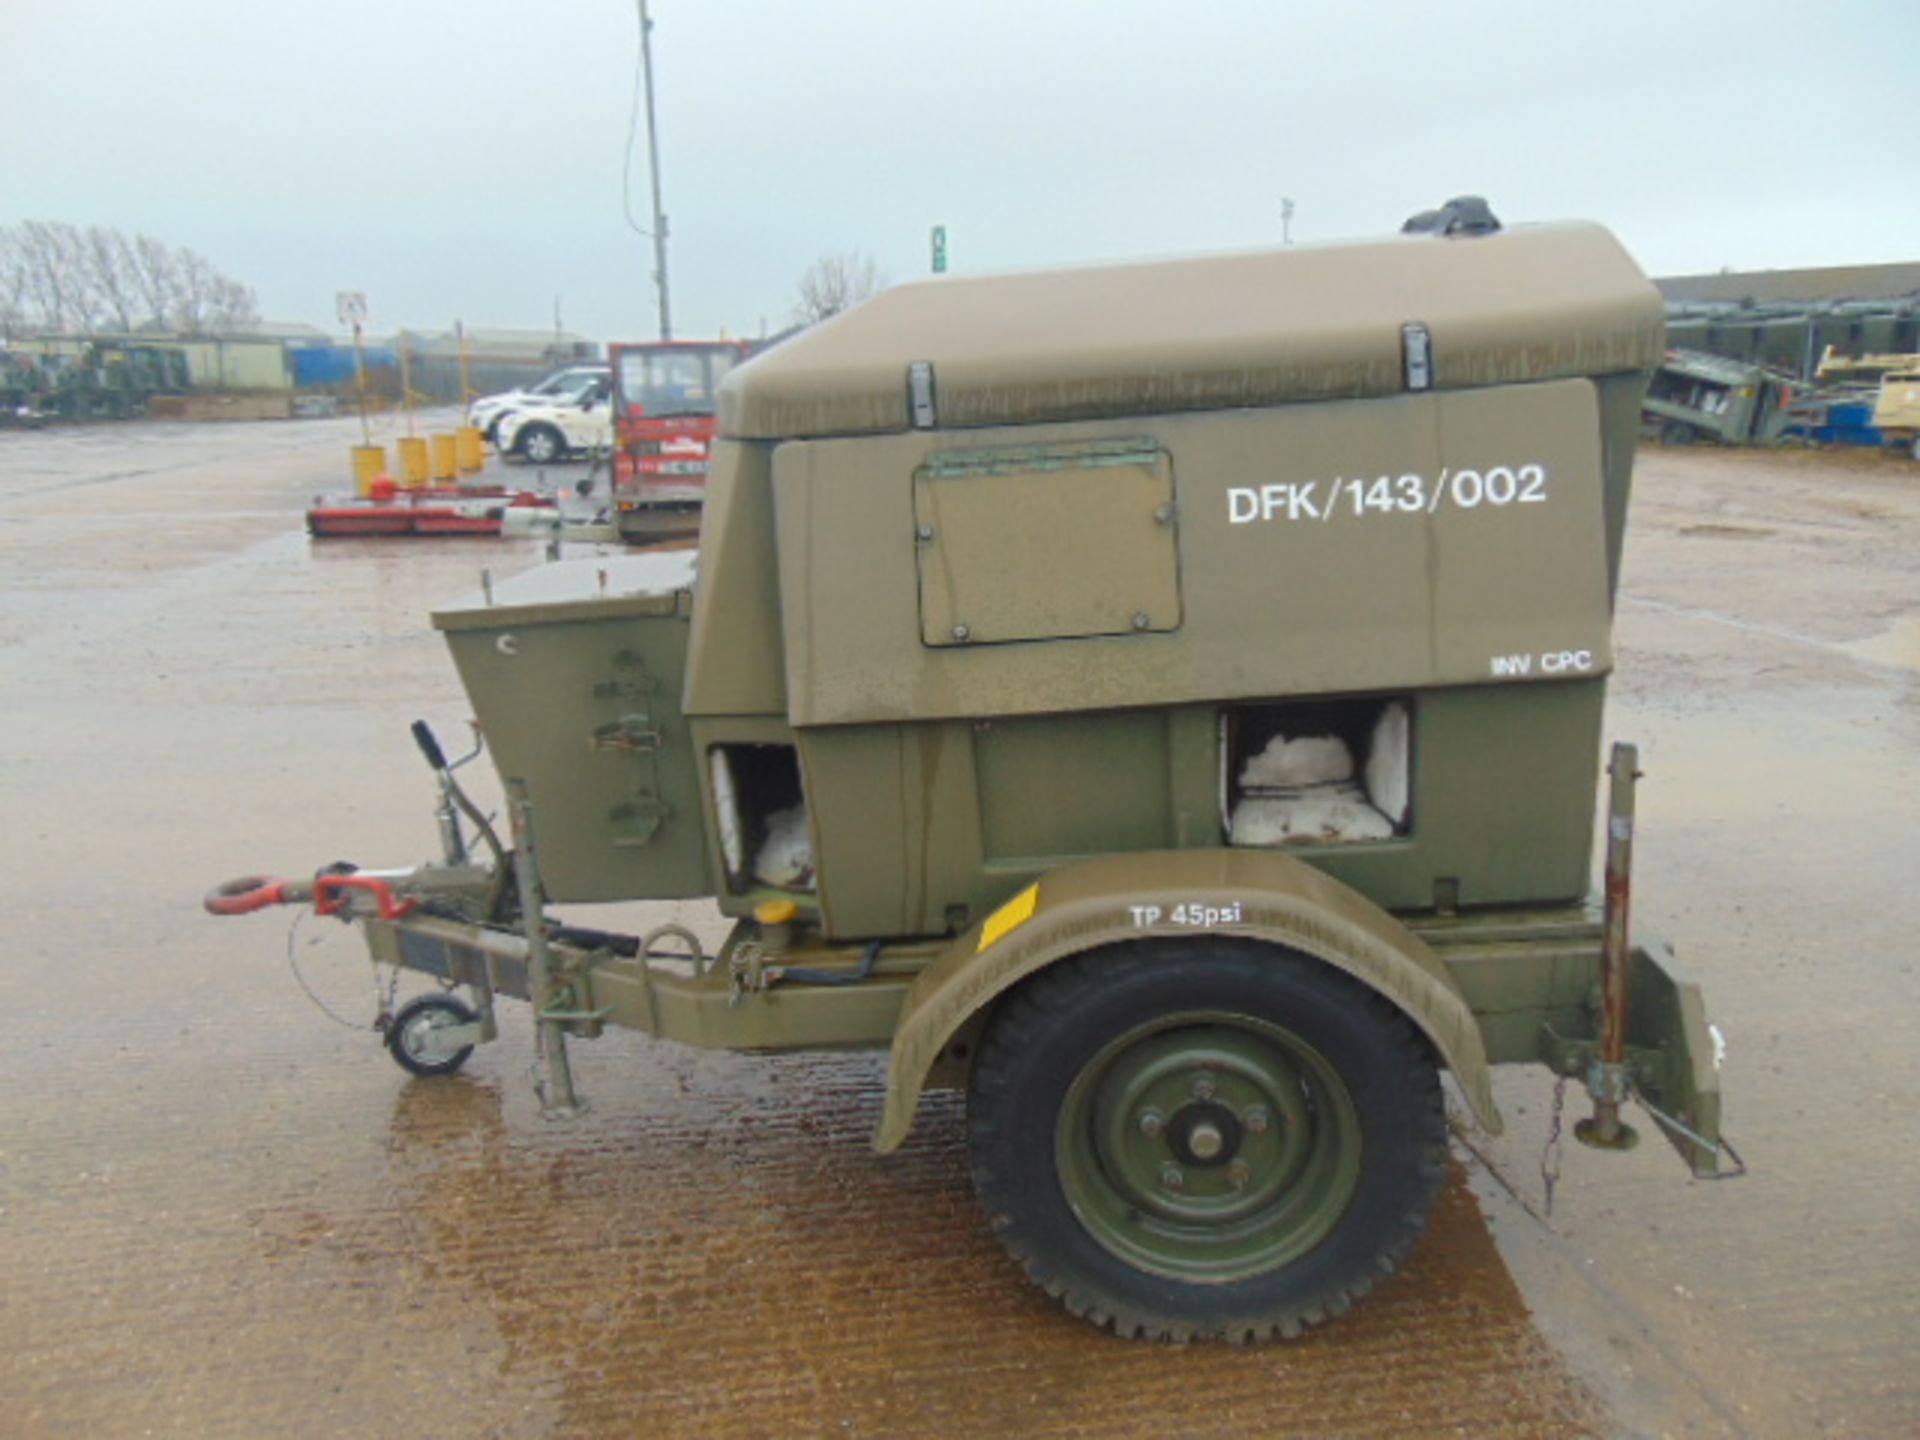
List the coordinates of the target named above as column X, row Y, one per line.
column 653, row 170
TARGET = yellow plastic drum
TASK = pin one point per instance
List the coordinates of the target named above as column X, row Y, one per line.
column 413, row 461
column 444, row 465
column 368, row 461
column 470, row 449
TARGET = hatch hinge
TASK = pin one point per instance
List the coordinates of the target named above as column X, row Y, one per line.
column 920, row 395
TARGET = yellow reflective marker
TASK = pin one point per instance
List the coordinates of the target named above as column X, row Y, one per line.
column 1010, row 916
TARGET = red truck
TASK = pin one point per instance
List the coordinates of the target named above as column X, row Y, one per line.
column 663, row 427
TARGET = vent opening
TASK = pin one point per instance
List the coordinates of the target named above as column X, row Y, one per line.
column 1319, row 772
column 762, row 815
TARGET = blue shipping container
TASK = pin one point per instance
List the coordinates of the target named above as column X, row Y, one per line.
column 319, row 366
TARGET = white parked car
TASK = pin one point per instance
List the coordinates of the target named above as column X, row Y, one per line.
column 542, row 434
column 484, row 412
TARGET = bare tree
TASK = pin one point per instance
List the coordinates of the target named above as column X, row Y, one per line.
column 13, row 286
column 61, row 274
column 49, row 288
column 193, row 291
column 231, row 307
column 107, row 262
column 86, row 305
column 58, row 277
column 151, row 274
column 835, row 282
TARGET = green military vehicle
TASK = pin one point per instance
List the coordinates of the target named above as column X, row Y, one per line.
column 1164, row 700
column 23, row 387
column 114, row 379
column 1695, row 396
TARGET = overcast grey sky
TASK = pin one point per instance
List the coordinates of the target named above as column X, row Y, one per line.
column 464, row 160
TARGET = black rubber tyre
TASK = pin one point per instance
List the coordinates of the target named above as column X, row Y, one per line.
column 541, row 445
column 1043, row 1101
column 414, row 1020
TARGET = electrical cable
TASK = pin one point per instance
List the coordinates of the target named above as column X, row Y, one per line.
column 293, row 964
column 800, row 975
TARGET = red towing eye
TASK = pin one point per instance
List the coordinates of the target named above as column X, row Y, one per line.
column 245, row 895
column 256, row 892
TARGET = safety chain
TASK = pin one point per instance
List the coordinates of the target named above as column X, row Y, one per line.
column 1550, row 1157
column 383, row 1004
column 746, row 972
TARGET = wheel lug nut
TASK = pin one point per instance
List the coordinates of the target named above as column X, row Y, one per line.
column 1203, row 1087
column 1172, row 1178
column 1256, row 1121
column 1238, row 1174
column 1152, row 1122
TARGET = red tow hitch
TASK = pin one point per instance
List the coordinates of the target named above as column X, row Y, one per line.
column 327, row 892
column 329, row 897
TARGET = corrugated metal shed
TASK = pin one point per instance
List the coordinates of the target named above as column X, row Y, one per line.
column 236, row 364
column 1829, row 282
column 505, row 344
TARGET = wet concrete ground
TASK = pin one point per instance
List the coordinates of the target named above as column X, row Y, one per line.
column 224, row 1214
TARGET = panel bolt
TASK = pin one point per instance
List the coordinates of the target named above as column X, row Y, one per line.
column 1171, row 1178
column 1256, row 1121
column 1152, row 1122
column 1141, row 620
column 1163, row 515
column 924, row 532
column 1203, row 1087
column 960, row 632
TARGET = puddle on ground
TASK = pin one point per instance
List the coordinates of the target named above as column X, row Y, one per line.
column 1898, row 645
column 733, row 1258
column 1726, row 532
column 1772, row 768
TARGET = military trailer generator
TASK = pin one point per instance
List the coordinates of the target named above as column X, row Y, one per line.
column 1164, row 700
column 1695, row 396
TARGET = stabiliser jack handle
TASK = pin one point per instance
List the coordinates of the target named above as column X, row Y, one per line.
column 429, row 746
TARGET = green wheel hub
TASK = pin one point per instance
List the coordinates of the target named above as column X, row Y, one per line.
column 1208, row 1147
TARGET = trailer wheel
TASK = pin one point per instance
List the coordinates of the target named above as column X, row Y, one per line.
column 410, row 1035
column 1205, row 1138
column 541, row 444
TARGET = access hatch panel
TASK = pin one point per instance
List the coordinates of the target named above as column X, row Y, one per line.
column 1047, row 542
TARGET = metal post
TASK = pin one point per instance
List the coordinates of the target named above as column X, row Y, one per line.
column 453, row 845
column 1608, row 1081
column 653, row 170
column 466, row 390
column 406, row 383
column 360, row 385
column 557, row 1099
